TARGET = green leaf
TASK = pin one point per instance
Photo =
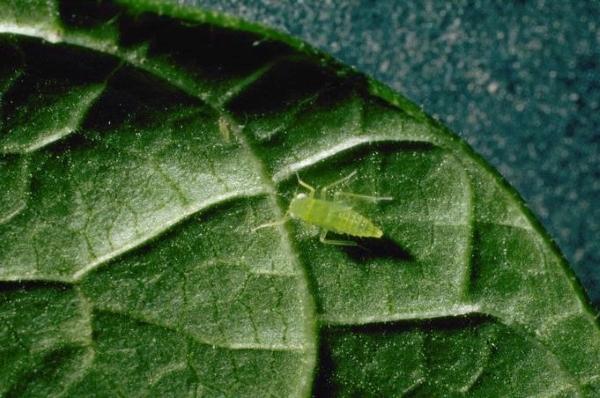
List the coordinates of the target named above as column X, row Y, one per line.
column 140, row 144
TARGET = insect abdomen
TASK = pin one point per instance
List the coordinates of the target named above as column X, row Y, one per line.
column 352, row 223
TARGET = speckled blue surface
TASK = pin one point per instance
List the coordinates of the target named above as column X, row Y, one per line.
column 520, row 81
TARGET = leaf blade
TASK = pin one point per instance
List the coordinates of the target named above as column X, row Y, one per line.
column 318, row 119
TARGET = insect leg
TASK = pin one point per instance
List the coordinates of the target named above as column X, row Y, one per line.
column 324, row 240
column 272, row 223
column 305, row 185
column 338, row 182
column 363, row 197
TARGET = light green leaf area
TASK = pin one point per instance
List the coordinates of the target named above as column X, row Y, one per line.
column 141, row 142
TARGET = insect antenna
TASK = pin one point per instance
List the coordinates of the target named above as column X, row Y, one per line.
column 273, row 223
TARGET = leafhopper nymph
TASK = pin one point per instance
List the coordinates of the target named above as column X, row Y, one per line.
column 330, row 213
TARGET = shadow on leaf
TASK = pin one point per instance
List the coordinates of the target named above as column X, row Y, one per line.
column 372, row 248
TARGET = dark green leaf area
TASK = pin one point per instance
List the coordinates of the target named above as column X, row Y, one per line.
column 46, row 339
column 46, row 98
column 452, row 357
column 136, row 358
column 195, row 281
column 15, row 181
column 421, row 265
column 312, row 114
column 508, row 262
column 189, row 314
column 137, row 131
column 503, row 290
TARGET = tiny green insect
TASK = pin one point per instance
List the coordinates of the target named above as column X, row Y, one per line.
column 316, row 208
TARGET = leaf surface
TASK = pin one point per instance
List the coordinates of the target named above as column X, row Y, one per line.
column 140, row 144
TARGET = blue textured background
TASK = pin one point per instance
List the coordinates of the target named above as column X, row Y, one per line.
column 520, row 81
